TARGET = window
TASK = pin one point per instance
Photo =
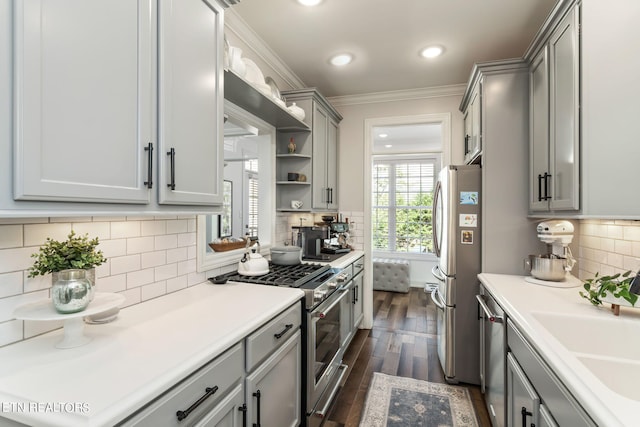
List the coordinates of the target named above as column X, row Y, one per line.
column 251, row 170
column 402, row 203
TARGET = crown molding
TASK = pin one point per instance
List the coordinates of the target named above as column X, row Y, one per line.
column 399, row 95
column 235, row 24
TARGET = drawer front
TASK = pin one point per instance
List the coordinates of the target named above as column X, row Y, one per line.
column 358, row 265
column 265, row 340
column 224, row 372
column 565, row 409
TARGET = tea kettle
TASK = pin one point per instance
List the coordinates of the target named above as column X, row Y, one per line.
column 252, row 263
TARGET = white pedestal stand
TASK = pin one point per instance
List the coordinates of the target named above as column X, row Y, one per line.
column 73, row 324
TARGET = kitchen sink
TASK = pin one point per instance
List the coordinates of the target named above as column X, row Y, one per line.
column 609, row 337
column 608, row 347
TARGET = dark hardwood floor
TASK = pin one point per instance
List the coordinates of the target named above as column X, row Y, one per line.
column 402, row 342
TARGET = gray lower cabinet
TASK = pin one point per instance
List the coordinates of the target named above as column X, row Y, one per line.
column 522, row 400
column 200, row 396
column 255, row 382
column 273, row 389
column 534, row 386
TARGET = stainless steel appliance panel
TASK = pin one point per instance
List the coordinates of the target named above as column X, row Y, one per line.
column 457, row 238
column 492, row 357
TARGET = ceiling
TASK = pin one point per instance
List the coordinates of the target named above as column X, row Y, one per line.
column 385, row 36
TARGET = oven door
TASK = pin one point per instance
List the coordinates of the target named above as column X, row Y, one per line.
column 324, row 351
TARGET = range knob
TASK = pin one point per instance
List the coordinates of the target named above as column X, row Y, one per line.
column 319, row 295
column 332, row 285
column 341, row 277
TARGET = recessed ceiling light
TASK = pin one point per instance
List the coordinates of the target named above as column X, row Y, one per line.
column 309, row 2
column 383, row 135
column 341, row 59
column 388, row 146
column 431, row 51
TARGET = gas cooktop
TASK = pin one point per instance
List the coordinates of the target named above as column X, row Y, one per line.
column 293, row 276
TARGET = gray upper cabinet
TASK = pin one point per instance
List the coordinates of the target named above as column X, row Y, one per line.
column 103, row 91
column 83, row 100
column 555, row 120
column 473, row 125
column 323, row 120
column 190, row 102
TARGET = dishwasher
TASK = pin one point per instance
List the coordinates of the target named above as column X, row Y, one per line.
column 493, row 338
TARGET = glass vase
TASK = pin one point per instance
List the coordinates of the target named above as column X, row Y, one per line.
column 71, row 291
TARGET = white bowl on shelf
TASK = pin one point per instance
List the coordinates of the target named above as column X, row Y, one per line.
column 253, row 74
column 296, row 111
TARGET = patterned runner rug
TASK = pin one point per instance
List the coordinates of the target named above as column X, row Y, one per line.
column 405, row 402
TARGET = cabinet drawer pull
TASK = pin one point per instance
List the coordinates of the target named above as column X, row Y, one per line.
column 209, row 391
column 149, row 150
column 284, row 331
column 172, row 156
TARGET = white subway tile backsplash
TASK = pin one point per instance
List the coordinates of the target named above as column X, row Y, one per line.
column 125, row 264
column 177, row 226
column 36, row 234
column 116, row 283
column 136, row 245
column 10, row 284
column 146, row 258
column 168, row 241
column 178, row 254
column 16, row 259
column 153, row 290
column 615, row 251
column 101, row 230
column 140, row 277
column 166, row 271
column 153, row 228
column 154, row 259
column 125, row 229
column 11, row 236
column 38, row 283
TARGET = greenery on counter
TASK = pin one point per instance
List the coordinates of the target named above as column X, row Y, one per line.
column 78, row 252
column 617, row 285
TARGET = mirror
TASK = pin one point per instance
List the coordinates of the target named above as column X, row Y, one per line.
column 249, row 164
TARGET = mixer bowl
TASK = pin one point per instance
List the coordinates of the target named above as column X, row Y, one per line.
column 547, row 267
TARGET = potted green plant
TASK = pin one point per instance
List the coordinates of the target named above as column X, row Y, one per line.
column 72, row 265
column 614, row 289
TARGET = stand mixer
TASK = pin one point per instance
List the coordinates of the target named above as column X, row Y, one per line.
column 554, row 268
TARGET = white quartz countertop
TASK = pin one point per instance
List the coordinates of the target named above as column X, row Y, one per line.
column 132, row 360
column 524, row 301
column 346, row 259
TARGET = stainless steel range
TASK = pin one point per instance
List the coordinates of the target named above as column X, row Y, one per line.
column 324, row 291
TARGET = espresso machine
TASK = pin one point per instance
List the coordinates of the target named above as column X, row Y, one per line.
column 312, row 240
column 338, row 237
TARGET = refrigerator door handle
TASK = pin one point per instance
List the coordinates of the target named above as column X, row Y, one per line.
column 436, row 299
column 437, row 194
column 437, row 273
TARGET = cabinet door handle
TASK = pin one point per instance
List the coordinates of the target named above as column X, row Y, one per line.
column 546, row 177
column 466, row 144
column 149, row 150
column 540, row 187
column 209, row 391
column 243, row 409
column 284, row 331
column 257, row 396
column 330, row 195
column 524, row 413
column 172, row 156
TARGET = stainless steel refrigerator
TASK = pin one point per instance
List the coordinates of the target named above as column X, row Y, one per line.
column 457, row 241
